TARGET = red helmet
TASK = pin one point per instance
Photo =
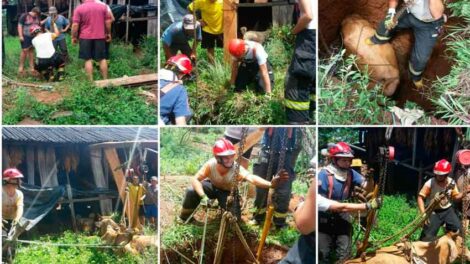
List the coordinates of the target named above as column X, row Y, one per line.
column 12, row 173
column 182, row 62
column 236, row 47
column 442, row 167
column 34, row 29
column 341, row 150
column 223, row 147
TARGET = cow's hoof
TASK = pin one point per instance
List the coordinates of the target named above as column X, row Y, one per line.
column 368, row 42
column 419, row 84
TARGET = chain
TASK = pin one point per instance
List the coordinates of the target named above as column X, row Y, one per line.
column 231, row 198
column 465, row 205
column 384, row 172
column 282, row 154
column 269, row 171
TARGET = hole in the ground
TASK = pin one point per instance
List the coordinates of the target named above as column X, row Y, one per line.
column 331, row 14
column 233, row 252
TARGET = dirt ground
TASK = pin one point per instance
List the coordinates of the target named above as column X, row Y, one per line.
column 332, row 13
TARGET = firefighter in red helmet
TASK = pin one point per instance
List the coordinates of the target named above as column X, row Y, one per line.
column 174, row 101
column 250, row 64
column 336, row 182
column 444, row 213
column 12, row 203
column 214, row 180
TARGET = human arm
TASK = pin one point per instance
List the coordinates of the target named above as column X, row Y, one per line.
column 108, row 30
column 67, row 26
column 264, row 74
column 19, row 207
column 420, row 201
column 437, row 8
column 74, row 33
column 281, row 177
column 20, row 28
column 43, row 21
column 201, row 175
column 307, row 16
column 305, row 215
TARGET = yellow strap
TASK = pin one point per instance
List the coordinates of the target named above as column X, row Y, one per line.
column 296, row 105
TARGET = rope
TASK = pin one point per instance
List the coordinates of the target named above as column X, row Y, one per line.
column 465, row 205
column 42, row 243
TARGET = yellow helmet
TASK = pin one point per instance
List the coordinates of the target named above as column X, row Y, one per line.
column 356, row 163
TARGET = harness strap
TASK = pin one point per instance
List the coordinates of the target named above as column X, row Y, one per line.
column 167, row 88
column 346, row 188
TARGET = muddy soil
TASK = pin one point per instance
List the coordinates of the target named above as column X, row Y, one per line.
column 332, row 13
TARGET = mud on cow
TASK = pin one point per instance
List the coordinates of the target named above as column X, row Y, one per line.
column 379, row 60
column 444, row 250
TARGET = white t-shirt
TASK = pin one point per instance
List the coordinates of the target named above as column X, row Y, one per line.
column 420, row 9
column 323, row 203
column 261, row 55
column 43, row 46
column 313, row 5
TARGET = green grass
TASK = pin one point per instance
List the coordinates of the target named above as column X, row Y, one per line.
column 453, row 102
column 214, row 103
column 89, row 105
column 27, row 254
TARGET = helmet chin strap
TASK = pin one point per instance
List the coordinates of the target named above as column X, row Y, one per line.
column 219, row 160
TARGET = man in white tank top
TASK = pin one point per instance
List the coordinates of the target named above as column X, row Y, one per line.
column 426, row 19
column 444, row 213
column 216, row 177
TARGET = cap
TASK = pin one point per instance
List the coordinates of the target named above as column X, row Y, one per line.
column 188, row 22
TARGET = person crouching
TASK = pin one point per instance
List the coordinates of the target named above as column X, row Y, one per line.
column 47, row 59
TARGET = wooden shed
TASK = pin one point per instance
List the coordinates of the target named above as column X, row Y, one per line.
column 90, row 160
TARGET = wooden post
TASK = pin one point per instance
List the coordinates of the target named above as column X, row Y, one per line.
column 230, row 26
column 70, row 197
column 119, row 178
column 70, row 10
column 152, row 24
column 127, row 20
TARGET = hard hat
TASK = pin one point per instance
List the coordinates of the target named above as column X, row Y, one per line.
column 442, row 167
column 52, row 10
column 356, row 163
column 12, row 173
column 236, row 47
column 341, row 150
column 223, row 147
column 182, row 62
column 34, row 29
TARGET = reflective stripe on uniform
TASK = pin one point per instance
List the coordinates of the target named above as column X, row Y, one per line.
column 379, row 37
column 279, row 215
column 296, row 105
column 413, row 71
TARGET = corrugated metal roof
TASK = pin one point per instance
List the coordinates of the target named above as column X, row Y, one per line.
column 77, row 134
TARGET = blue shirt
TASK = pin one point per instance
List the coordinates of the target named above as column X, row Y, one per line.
column 175, row 34
column 338, row 186
column 61, row 23
column 174, row 103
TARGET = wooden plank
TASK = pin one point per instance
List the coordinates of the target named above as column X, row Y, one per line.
column 118, row 175
column 146, row 79
column 251, row 139
column 125, row 144
column 230, row 26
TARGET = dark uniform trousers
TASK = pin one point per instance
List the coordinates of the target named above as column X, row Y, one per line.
column 248, row 72
column 302, row 252
column 436, row 220
column 192, row 199
column 426, row 35
column 334, row 231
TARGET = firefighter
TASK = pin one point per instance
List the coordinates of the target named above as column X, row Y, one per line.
column 174, row 102
column 336, row 182
column 300, row 77
column 426, row 18
column 12, row 204
column 250, row 64
column 47, row 58
column 216, row 177
column 444, row 213
column 272, row 146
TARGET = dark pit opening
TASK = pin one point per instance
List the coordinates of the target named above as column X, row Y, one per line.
column 331, row 14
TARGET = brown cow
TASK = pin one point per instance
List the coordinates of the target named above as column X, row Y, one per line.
column 444, row 250
column 379, row 60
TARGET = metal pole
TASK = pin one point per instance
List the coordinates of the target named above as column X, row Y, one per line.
column 127, row 20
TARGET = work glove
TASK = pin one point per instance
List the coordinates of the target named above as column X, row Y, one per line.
column 426, row 222
column 280, row 178
column 389, row 19
column 204, row 200
column 374, row 204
